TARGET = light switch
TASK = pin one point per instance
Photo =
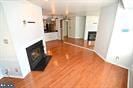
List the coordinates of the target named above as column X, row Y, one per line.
column 5, row 41
column 117, row 58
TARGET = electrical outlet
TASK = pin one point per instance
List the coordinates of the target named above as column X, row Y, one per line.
column 6, row 72
column 5, row 41
column 16, row 70
column 117, row 58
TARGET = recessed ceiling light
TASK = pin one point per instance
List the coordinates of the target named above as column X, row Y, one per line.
column 53, row 8
column 45, row 0
column 66, row 11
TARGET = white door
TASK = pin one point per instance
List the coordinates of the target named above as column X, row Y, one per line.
column 71, row 28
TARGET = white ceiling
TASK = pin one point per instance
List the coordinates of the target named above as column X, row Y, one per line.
column 72, row 7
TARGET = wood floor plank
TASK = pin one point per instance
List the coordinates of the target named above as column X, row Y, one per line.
column 74, row 67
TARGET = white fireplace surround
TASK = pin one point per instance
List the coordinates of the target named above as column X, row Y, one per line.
column 19, row 35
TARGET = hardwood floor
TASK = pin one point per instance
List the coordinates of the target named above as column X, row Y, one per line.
column 73, row 67
column 80, row 42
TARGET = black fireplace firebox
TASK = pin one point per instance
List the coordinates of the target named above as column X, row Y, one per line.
column 38, row 60
column 91, row 36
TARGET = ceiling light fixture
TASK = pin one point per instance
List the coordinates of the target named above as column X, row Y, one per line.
column 66, row 12
column 45, row 0
column 53, row 19
column 53, row 7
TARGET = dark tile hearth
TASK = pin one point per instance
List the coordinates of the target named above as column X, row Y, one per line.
column 42, row 64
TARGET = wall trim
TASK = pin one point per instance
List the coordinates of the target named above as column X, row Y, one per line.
column 118, row 65
column 26, row 74
column 20, row 77
column 12, row 76
column 78, row 46
column 100, row 55
column 86, row 49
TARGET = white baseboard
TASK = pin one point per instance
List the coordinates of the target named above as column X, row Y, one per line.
column 100, row 56
column 118, row 65
column 106, row 60
column 20, row 77
column 24, row 75
column 87, row 49
column 12, row 76
column 78, row 46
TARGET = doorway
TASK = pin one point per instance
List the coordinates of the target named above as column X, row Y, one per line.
column 80, row 31
column 65, row 29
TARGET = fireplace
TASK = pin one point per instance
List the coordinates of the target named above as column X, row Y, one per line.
column 36, row 56
column 91, row 36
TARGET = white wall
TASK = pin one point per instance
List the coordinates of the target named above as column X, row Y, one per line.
column 80, row 27
column 105, row 28
column 90, row 25
column 8, row 58
column 121, row 44
column 76, row 27
column 51, row 36
column 23, row 35
column 1, row 74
